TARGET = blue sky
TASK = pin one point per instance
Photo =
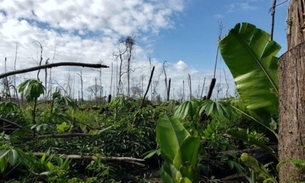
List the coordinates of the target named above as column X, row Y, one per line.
column 182, row 32
column 195, row 35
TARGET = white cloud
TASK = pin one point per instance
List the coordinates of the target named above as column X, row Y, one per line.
column 180, row 66
column 88, row 31
column 218, row 16
column 81, row 31
column 242, row 6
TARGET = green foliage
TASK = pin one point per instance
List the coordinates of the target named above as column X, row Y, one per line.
column 189, row 135
column 260, row 171
column 63, row 101
column 10, row 110
column 217, row 108
column 32, row 89
column 188, row 110
column 244, row 135
column 179, row 150
column 257, row 80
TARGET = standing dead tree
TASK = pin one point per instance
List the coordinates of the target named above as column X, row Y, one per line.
column 213, row 82
column 81, row 86
column 6, row 83
column 167, row 85
column 15, row 64
column 129, row 43
column 203, row 85
column 190, row 86
column 272, row 18
column 148, row 86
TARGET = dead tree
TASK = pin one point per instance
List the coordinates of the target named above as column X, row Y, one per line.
column 81, row 86
column 292, row 96
column 167, row 85
column 129, row 43
column 190, row 85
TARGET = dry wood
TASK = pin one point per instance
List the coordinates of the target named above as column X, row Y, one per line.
column 148, row 86
column 10, row 122
column 132, row 160
column 52, row 65
column 272, row 19
column 295, row 23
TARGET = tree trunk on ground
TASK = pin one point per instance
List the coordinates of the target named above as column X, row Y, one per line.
column 292, row 96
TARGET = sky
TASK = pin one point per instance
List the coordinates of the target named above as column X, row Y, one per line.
column 184, row 33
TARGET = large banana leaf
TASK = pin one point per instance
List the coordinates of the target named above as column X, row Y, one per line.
column 179, row 150
column 170, row 135
column 251, row 58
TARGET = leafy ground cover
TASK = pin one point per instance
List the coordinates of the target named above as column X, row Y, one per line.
column 132, row 140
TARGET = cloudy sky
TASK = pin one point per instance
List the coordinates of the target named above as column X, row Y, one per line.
column 184, row 33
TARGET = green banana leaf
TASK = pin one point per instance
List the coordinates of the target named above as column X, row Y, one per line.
column 179, row 150
column 251, row 58
column 170, row 135
column 258, row 168
column 217, row 108
column 188, row 109
column 242, row 134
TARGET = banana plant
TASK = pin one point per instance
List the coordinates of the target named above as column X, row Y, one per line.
column 251, row 57
column 179, row 149
column 194, row 109
column 258, row 171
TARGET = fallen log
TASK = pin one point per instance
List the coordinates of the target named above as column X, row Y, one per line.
column 52, row 65
column 131, row 160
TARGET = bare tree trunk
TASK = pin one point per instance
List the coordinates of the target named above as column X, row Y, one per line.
column 15, row 63
column 50, row 88
column 151, row 89
column 165, row 78
column 168, row 89
column 81, row 87
column 95, row 90
column 120, row 74
column 272, row 19
column 46, row 80
column 296, row 24
column 190, row 85
column 40, row 61
column 183, row 92
column 111, row 79
column 128, row 71
column 101, row 91
column 202, row 89
column 292, row 112
column 6, row 83
column 148, row 86
column 292, row 96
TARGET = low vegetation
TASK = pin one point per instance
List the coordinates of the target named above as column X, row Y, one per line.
column 133, row 140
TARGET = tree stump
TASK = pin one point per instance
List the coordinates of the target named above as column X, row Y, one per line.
column 292, row 95
column 291, row 112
